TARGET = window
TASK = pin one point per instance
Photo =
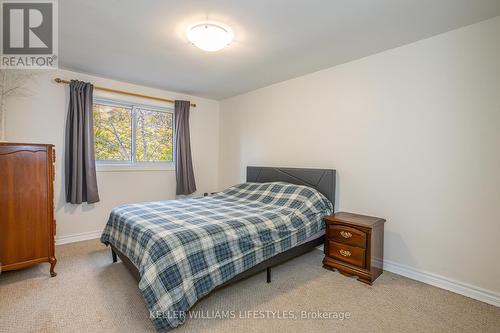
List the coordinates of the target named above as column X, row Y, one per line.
column 132, row 134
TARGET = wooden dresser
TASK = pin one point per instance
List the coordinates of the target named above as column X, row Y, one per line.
column 354, row 245
column 27, row 225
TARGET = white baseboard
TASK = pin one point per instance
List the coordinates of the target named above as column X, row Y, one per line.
column 78, row 237
column 439, row 281
column 442, row 282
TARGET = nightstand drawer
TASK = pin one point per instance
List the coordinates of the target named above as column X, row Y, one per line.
column 349, row 254
column 346, row 235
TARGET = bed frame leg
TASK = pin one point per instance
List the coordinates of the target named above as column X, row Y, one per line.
column 113, row 254
column 268, row 271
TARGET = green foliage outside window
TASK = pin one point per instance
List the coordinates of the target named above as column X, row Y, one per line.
column 130, row 134
column 154, row 136
column 112, row 133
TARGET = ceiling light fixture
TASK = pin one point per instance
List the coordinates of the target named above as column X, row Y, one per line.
column 210, row 36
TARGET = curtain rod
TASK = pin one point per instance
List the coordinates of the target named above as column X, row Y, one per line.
column 58, row 80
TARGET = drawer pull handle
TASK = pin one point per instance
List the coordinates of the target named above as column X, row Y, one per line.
column 345, row 234
column 345, row 253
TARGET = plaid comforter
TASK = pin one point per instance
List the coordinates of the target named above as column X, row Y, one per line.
column 183, row 249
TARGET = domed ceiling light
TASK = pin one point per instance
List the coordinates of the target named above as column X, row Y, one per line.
column 210, row 36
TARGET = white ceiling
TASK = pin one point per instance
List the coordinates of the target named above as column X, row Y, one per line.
column 144, row 42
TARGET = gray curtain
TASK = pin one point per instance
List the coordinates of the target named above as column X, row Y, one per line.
column 183, row 162
column 81, row 181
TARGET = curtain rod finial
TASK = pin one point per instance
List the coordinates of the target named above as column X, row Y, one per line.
column 58, row 80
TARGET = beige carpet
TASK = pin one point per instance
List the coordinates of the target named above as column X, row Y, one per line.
column 91, row 294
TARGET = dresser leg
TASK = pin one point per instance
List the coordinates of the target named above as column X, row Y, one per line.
column 53, row 262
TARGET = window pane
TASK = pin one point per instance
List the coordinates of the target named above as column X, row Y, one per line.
column 154, row 136
column 112, row 133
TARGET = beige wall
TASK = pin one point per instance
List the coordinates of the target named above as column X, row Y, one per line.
column 39, row 117
column 414, row 134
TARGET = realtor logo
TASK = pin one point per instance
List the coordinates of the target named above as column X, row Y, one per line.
column 29, row 34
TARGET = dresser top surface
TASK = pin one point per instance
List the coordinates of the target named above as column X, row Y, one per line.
column 17, row 144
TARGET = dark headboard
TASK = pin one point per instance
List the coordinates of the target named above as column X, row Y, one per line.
column 322, row 180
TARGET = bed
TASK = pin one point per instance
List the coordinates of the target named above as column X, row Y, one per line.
column 181, row 250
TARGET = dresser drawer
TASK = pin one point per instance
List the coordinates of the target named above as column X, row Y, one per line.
column 346, row 235
column 349, row 254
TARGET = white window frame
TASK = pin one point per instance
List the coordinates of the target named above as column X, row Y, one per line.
column 133, row 165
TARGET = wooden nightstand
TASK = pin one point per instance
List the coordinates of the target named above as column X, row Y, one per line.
column 354, row 245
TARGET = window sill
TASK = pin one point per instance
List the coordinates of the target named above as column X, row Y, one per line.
column 134, row 167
